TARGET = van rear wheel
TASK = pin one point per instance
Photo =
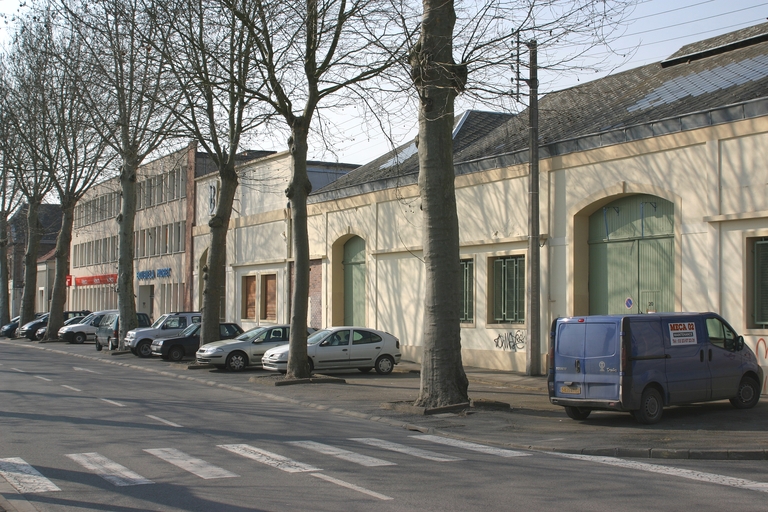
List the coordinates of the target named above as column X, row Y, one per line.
column 578, row 413
column 651, row 407
column 747, row 395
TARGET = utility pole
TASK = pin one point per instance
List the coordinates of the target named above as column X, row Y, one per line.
column 533, row 350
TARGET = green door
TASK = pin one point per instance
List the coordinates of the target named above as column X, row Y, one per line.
column 631, row 256
column 354, row 282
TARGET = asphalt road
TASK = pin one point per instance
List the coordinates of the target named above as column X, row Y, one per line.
column 83, row 433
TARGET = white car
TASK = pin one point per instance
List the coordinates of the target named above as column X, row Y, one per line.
column 343, row 347
column 244, row 350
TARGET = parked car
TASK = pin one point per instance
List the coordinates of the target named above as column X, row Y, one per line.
column 342, row 347
column 641, row 363
column 188, row 341
column 246, row 349
column 108, row 333
column 139, row 341
column 84, row 330
column 29, row 330
column 74, row 320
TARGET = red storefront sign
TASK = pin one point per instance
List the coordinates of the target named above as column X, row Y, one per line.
column 69, row 279
column 90, row 280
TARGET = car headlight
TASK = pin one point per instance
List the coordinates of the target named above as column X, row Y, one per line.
column 210, row 350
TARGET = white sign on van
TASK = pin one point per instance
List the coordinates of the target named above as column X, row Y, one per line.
column 682, row 333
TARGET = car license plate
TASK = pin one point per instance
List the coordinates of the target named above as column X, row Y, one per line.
column 567, row 390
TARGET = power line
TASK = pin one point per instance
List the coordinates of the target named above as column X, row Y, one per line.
column 695, row 21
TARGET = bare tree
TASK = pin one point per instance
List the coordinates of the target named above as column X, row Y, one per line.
column 130, row 95
column 68, row 148
column 25, row 65
column 486, row 36
column 212, row 60
column 310, row 53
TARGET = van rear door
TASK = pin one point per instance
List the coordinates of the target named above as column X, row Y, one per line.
column 587, row 358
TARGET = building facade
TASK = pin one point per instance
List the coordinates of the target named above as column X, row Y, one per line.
column 653, row 198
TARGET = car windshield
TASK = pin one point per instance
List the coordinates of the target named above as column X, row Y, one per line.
column 191, row 330
column 159, row 322
column 74, row 320
column 87, row 319
column 252, row 334
column 318, row 336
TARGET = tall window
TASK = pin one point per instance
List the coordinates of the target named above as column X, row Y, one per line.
column 761, row 281
column 249, row 297
column 269, row 297
column 468, row 291
column 508, row 289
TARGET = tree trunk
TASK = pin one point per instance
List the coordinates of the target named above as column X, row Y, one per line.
column 215, row 270
column 34, row 235
column 126, row 297
column 297, row 192
column 59, row 295
column 5, row 302
column 443, row 381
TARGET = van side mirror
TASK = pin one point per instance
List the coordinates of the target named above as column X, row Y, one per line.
column 740, row 343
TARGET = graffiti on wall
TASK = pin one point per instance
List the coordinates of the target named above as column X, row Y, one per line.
column 514, row 341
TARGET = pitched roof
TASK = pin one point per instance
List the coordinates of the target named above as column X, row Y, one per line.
column 722, row 79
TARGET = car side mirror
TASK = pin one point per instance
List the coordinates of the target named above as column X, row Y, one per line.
column 740, row 343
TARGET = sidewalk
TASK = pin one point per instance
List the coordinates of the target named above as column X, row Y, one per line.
column 513, row 410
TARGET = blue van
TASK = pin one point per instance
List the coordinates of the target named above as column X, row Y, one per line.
column 641, row 363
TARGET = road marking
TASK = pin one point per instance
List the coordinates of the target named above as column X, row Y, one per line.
column 194, row 465
column 490, row 450
column 42, row 378
column 342, row 454
column 672, row 471
column 351, row 486
column 78, row 369
column 24, row 477
column 109, row 470
column 17, row 370
column 408, row 450
column 269, row 458
column 70, row 387
column 112, row 402
column 161, row 420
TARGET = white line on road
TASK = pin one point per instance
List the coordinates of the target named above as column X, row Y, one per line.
column 490, row 450
column 42, row 378
column 112, row 402
column 78, row 369
column 70, row 387
column 408, row 450
column 161, row 420
column 342, row 454
column 109, row 470
column 24, row 477
column 17, row 370
column 666, row 470
column 268, row 458
column 351, row 486
column 194, row 465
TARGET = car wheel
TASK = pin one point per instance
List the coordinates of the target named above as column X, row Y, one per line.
column 237, row 361
column 366, row 369
column 79, row 338
column 311, row 365
column 385, row 365
column 98, row 346
column 748, row 394
column 113, row 344
column 144, row 348
column 176, row 353
column 578, row 413
column 651, row 407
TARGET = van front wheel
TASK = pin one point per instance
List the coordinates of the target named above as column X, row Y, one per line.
column 748, row 394
column 578, row 413
column 651, row 407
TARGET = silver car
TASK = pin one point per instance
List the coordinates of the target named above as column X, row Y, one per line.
column 245, row 350
column 343, row 347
